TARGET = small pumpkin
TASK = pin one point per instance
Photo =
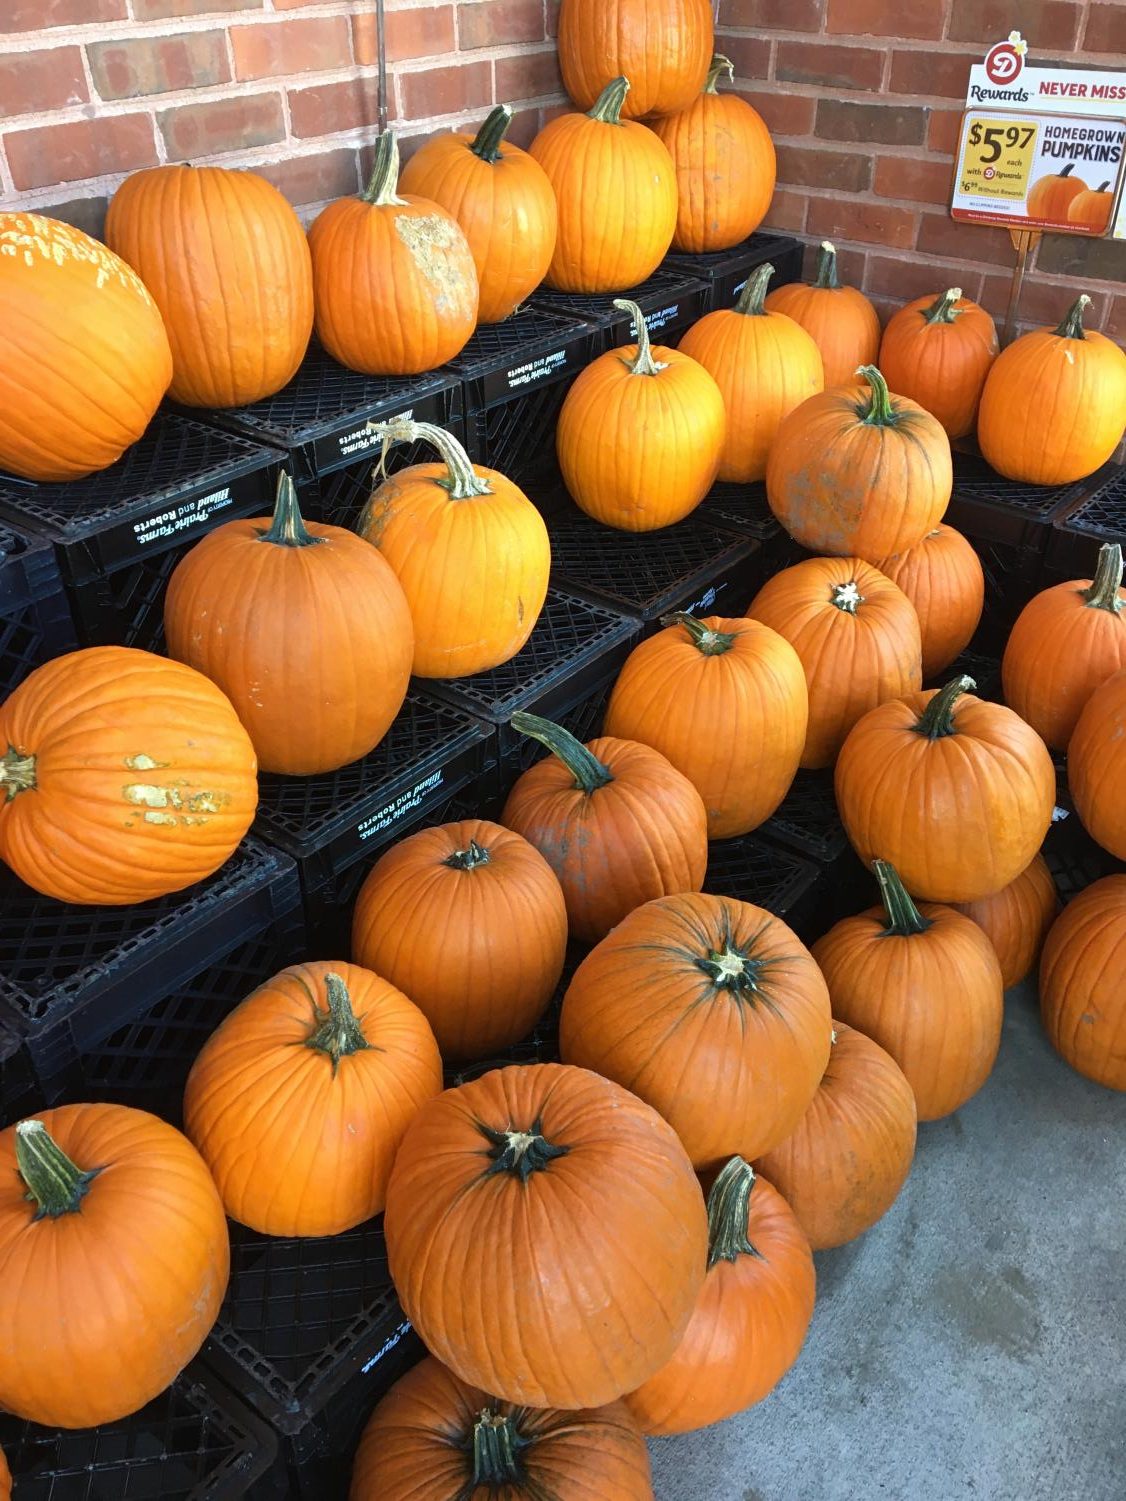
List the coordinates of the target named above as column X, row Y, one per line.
column 283, row 612
column 1052, row 195
column 725, row 701
column 615, row 188
column 839, row 319
column 765, row 365
column 752, row 1314
column 469, row 920
column 710, row 1010
column 124, row 777
column 1091, row 208
column 640, row 434
column 943, row 578
column 432, row 1437
column 569, row 1228
column 469, row 548
column 925, row 984
column 616, row 821
column 1082, row 1001
column 1017, row 918
column 1054, row 403
column 503, row 201
column 1096, row 765
column 938, row 350
column 85, row 359
column 662, row 46
column 5, row 1479
column 859, row 473
column 955, row 792
column 227, row 262
column 394, row 281
column 725, row 166
column 113, row 1262
column 1065, row 643
column 841, row 1170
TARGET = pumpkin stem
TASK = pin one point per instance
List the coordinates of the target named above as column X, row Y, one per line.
column 468, row 859
column 608, row 106
column 337, row 1031
column 496, row 1445
column 1102, row 187
column 521, row 1153
column 706, row 641
column 879, row 411
column 1068, row 170
column 384, row 177
column 643, row 362
column 462, row 480
column 288, row 528
column 728, row 1204
column 486, row 143
column 1072, row 325
column 1103, row 592
column 17, row 773
column 752, row 299
column 588, row 771
column 942, row 310
column 827, row 268
column 847, row 597
column 719, row 66
column 937, row 719
column 53, row 1182
column 730, row 969
column 904, row 918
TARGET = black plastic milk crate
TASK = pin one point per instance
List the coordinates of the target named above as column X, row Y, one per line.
column 35, row 622
column 807, row 821
column 753, row 869
column 977, row 662
column 119, row 534
column 1073, row 857
column 1079, row 532
column 671, row 300
column 195, row 1442
column 725, row 272
column 18, row 1094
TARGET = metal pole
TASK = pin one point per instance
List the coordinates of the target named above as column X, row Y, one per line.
column 381, row 45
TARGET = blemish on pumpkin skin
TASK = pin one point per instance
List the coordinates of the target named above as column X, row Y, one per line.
column 166, row 819
column 145, row 795
column 143, row 763
column 428, row 237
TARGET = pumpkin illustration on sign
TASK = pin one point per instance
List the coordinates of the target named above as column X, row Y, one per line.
column 1051, row 197
column 1091, row 208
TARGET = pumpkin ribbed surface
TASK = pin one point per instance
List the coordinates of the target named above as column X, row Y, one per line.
column 1082, row 1001
column 943, row 578
column 662, row 46
column 938, row 350
column 1096, row 765
column 1017, row 918
column 839, row 319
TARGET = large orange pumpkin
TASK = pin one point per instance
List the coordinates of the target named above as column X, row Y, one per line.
column 394, row 282
column 859, row 473
column 434, row 1438
column 640, row 434
column 126, row 777
column 725, row 701
column 1065, row 643
column 470, row 549
column 227, row 262
column 1082, row 998
column 85, row 357
column 751, row 1317
column 113, row 1262
column 661, row 46
column 1096, row 765
column 943, row 578
column 616, row 821
column 725, row 166
column 503, row 201
column 298, row 1102
column 765, row 365
column 304, row 627
column 569, row 1231
column 1052, row 195
column 1091, row 209
column 1017, row 918
column 1054, row 404
column 615, row 187
column 469, row 920
column 713, row 1012
column 938, row 351
column 840, row 320
column 925, row 984
column 842, row 1168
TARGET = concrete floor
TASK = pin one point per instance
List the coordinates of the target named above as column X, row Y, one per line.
column 972, row 1346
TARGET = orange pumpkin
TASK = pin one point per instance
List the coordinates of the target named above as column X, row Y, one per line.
column 1054, row 404
column 616, row 821
column 1096, row 765
column 725, row 166
column 127, row 777
column 227, row 262
column 857, row 636
column 1017, row 918
column 1091, row 209
column 1052, row 195
column 615, row 187
column 571, row 1200
column 955, row 792
column 394, row 282
column 503, row 201
column 842, row 1168
column 840, row 320
column 85, row 359
column 1065, row 643
column 764, row 364
column 469, row 548
column 5, row 1479
column 938, row 351
column 943, row 578
column 860, row 473
column 661, row 46
column 113, row 1262
column 725, row 701
column 713, row 1012
column 751, row 1317
column 925, row 984
column 640, row 434
column 469, row 920
column 1082, row 1001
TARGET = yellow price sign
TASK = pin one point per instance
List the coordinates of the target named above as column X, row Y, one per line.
column 997, row 157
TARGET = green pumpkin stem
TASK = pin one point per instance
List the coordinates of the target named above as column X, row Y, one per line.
column 588, row 771
column 487, row 142
column 53, row 1181
column 608, row 106
column 942, row 310
column 643, row 362
column 827, row 268
column 520, row 1153
column 847, row 597
column 728, row 1204
column 937, row 719
column 1072, row 325
column 496, row 1446
column 337, row 1031
column 730, row 969
column 752, row 299
column 469, row 858
column 719, row 66
column 707, row 642
column 288, row 529
column 17, row 773
column 904, row 918
column 879, row 411
column 1103, row 592
column 462, row 480
column 384, row 179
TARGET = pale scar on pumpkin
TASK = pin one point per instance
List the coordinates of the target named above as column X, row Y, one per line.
column 429, row 238
column 191, row 809
column 143, row 763
column 34, row 239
